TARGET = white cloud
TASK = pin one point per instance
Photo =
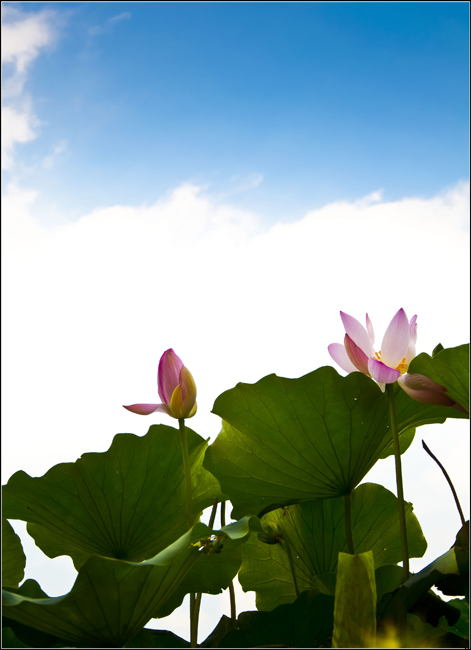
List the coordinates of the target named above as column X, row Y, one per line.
column 17, row 126
column 122, row 16
column 89, row 307
column 369, row 199
column 49, row 161
column 106, row 27
column 24, row 37
column 250, row 182
column 125, row 283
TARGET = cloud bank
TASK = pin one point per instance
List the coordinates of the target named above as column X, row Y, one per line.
column 99, row 300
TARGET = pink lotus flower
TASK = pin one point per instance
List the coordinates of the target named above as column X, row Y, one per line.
column 392, row 362
column 177, row 389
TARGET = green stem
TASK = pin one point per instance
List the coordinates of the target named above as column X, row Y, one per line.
column 187, row 470
column 348, row 523
column 193, row 636
column 197, row 601
column 457, row 501
column 189, row 515
column 194, row 621
column 400, row 490
column 286, row 548
column 231, row 586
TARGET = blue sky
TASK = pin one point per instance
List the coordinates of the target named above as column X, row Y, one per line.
column 324, row 101
column 222, row 179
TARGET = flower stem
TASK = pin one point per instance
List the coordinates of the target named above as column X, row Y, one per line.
column 400, row 490
column 231, row 586
column 457, row 501
column 347, row 498
column 197, row 603
column 187, row 470
column 193, row 632
column 189, row 515
column 286, row 548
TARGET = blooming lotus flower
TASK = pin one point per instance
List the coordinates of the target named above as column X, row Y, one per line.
column 392, row 362
column 176, row 387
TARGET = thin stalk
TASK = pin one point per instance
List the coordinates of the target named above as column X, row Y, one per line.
column 193, row 638
column 187, row 470
column 189, row 515
column 231, row 586
column 400, row 490
column 286, row 548
column 457, row 501
column 197, row 603
column 347, row 498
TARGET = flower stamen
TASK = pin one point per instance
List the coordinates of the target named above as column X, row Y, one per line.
column 403, row 366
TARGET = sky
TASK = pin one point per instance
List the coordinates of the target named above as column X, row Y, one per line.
column 223, row 179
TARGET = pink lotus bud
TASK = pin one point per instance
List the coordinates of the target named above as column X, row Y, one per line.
column 425, row 390
column 176, row 387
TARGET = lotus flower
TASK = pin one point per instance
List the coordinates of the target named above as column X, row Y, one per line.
column 392, row 362
column 176, row 387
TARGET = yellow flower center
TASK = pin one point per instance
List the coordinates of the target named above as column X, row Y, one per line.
column 402, row 367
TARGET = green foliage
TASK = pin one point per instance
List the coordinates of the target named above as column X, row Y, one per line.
column 112, row 600
column 13, row 557
column 315, row 532
column 285, row 441
column 461, row 627
column 157, row 639
column 288, row 452
column 127, row 503
column 415, row 596
column 306, row 623
column 449, row 368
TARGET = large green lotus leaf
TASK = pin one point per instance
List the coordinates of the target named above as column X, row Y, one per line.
column 112, row 600
column 126, row 503
column 214, row 572
column 388, row 578
column 306, row 623
column 284, row 441
column 315, row 532
column 13, row 557
column 405, row 440
column 449, row 368
column 28, row 635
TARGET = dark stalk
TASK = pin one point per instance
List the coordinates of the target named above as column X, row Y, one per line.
column 457, row 501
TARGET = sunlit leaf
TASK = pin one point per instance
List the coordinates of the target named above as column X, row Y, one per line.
column 355, row 602
column 213, row 573
column 315, row 532
column 448, row 367
column 126, row 503
column 405, row 441
column 388, row 578
column 112, row 600
column 285, row 441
